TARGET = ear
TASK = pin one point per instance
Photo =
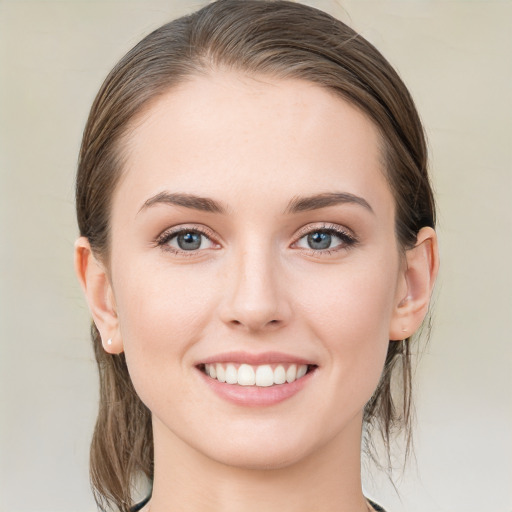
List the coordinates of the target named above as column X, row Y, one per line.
column 416, row 284
column 98, row 291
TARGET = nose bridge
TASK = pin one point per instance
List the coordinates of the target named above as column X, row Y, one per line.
column 255, row 297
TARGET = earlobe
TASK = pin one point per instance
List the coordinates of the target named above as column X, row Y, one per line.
column 98, row 291
column 419, row 275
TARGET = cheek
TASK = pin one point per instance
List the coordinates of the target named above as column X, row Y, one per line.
column 160, row 302
column 351, row 314
column 351, row 301
column 161, row 315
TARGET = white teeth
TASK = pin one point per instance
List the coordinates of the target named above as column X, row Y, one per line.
column 261, row 376
column 301, row 371
column 246, row 375
column 221, row 374
column 279, row 375
column 231, row 374
column 264, row 376
column 291, row 373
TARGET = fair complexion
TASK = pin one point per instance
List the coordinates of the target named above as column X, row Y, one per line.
column 254, row 225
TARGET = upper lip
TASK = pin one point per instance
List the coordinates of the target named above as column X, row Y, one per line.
column 254, row 359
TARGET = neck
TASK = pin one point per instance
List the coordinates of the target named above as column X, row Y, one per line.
column 329, row 479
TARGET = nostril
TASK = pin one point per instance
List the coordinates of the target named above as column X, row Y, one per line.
column 269, row 323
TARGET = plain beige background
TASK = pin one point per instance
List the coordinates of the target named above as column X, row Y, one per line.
column 456, row 58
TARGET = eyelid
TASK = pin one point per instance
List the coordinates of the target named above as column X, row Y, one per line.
column 346, row 235
column 163, row 238
column 324, row 226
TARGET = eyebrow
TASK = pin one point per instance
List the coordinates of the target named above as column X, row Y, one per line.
column 203, row 204
column 317, row 201
column 296, row 205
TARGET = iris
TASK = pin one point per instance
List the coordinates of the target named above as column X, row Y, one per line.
column 189, row 241
column 319, row 240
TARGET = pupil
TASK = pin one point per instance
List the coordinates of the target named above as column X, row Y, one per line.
column 189, row 241
column 319, row 240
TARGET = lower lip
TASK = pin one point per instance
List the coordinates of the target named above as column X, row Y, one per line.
column 254, row 396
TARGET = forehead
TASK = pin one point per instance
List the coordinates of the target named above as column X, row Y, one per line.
column 226, row 132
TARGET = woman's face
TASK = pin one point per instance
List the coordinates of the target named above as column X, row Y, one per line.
column 253, row 233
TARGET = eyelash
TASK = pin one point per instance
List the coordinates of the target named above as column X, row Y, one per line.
column 163, row 240
column 347, row 239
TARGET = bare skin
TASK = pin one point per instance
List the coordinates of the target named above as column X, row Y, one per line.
column 255, row 271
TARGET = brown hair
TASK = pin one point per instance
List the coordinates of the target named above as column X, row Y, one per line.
column 278, row 38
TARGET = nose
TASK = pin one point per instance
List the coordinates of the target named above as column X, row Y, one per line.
column 255, row 298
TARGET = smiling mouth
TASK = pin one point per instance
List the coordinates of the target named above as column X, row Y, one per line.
column 265, row 375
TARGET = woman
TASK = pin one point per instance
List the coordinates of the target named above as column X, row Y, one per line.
column 257, row 249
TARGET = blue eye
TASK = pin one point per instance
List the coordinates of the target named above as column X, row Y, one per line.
column 189, row 241
column 325, row 240
column 186, row 240
column 319, row 240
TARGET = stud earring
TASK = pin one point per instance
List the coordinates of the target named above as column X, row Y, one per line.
column 109, row 341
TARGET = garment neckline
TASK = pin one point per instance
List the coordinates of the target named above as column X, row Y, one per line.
column 141, row 504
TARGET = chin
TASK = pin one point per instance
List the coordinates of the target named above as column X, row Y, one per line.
column 261, row 450
column 258, row 459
